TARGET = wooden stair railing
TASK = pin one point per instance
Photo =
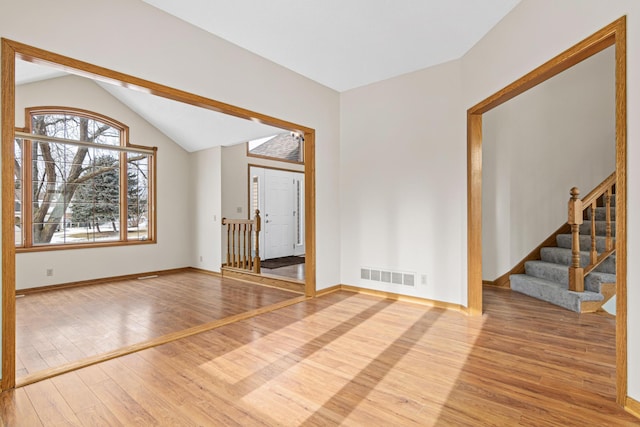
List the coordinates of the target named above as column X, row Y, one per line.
column 577, row 209
column 241, row 235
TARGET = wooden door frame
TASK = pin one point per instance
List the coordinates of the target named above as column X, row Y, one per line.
column 12, row 50
column 613, row 34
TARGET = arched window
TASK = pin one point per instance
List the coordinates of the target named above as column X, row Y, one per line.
column 79, row 182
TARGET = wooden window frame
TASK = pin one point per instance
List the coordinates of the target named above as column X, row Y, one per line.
column 26, row 211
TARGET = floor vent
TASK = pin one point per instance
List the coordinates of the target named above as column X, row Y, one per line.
column 388, row 276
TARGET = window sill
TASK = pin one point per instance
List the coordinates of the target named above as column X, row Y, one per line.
column 47, row 248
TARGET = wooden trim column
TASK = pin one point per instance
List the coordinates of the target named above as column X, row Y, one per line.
column 8, row 207
column 474, row 213
column 310, row 206
column 620, row 34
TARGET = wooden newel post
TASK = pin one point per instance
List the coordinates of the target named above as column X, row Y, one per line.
column 256, row 259
column 224, row 222
column 576, row 272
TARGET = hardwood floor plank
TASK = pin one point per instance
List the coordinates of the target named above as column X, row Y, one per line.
column 85, row 404
column 189, row 389
column 16, row 409
column 92, row 375
column 62, row 326
column 205, row 392
column 296, row 271
column 351, row 359
column 154, row 342
column 51, row 407
column 121, row 404
column 158, row 405
column 75, row 392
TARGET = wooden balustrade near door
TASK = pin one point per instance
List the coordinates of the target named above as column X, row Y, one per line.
column 243, row 245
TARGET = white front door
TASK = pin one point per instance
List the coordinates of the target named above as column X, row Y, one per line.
column 279, row 195
column 279, row 214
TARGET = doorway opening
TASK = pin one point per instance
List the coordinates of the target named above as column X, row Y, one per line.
column 279, row 195
column 612, row 35
column 11, row 53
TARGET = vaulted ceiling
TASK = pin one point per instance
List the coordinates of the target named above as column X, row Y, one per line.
column 345, row 44
column 342, row 44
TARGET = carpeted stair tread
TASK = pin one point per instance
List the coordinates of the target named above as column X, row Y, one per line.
column 552, row 292
column 601, row 213
column 564, row 241
column 548, row 271
column 594, row 280
column 562, row 256
column 559, row 274
column 585, row 228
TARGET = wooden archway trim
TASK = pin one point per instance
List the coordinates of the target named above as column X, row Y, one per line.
column 613, row 34
column 11, row 50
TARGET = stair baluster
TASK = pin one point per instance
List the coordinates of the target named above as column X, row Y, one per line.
column 593, row 255
column 576, row 272
column 607, row 202
column 241, row 233
column 228, row 240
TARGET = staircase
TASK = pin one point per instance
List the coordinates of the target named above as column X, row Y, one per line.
column 548, row 278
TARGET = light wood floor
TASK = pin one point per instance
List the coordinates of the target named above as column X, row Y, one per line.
column 296, row 271
column 57, row 327
column 350, row 359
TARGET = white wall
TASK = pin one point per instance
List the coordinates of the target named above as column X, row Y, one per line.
column 534, row 32
column 403, row 176
column 537, row 146
column 173, row 205
column 206, row 207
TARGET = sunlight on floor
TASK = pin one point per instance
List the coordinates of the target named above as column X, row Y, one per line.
column 327, row 377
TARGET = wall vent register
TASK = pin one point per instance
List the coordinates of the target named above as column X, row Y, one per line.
column 388, row 276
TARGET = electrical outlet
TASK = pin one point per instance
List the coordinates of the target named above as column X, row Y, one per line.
column 239, row 209
column 200, row 258
column 49, row 272
column 423, row 279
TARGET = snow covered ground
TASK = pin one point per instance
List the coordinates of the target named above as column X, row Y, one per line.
column 86, row 235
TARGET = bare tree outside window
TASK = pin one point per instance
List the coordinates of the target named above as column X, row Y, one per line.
column 76, row 190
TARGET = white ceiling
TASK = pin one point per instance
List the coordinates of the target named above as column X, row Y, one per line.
column 345, row 44
column 342, row 44
column 193, row 128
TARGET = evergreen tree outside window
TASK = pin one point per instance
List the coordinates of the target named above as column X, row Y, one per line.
column 79, row 182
